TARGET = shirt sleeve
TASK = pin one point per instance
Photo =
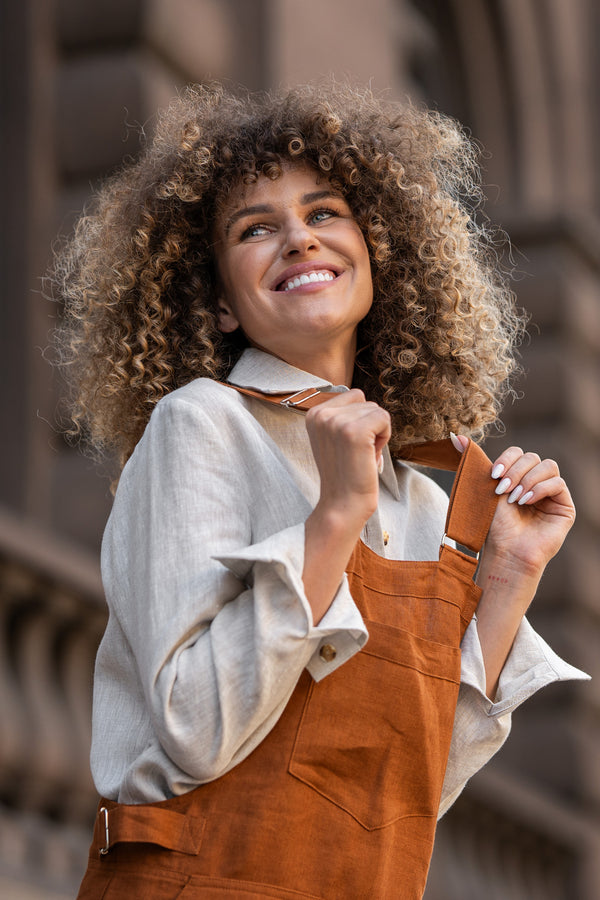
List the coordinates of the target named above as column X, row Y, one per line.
column 217, row 622
column 481, row 725
column 280, row 559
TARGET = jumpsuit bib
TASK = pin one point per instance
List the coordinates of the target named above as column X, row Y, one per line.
column 340, row 800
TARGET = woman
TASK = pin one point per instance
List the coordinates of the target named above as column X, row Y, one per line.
column 262, row 312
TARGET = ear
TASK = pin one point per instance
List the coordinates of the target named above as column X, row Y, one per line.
column 225, row 317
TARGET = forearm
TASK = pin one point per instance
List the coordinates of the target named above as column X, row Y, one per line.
column 329, row 540
column 347, row 436
column 507, row 592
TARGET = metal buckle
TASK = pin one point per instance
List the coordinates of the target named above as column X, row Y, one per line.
column 467, row 551
column 289, row 401
column 104, row 850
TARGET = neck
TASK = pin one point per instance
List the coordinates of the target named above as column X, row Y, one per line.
column 331, row 364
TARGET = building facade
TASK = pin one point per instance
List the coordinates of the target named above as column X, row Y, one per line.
column 80, row 84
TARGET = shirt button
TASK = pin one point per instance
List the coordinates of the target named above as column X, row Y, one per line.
column 386, row 538
column 328, row 653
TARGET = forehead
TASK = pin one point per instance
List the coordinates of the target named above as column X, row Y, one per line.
column 294, row 183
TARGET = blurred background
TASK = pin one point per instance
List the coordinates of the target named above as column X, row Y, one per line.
column 80, row 83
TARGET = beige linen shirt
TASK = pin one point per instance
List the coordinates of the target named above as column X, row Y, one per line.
column 209, row 627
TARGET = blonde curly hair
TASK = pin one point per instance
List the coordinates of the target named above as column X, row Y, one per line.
column 138, row 276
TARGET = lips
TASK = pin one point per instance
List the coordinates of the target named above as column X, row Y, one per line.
column 306, row 273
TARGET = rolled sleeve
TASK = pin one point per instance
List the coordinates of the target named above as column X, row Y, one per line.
column 217, row 626
column 341, row 632
column 482, row 725
column 531, row 665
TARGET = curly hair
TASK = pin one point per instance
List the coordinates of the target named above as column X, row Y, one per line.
column 138, row 276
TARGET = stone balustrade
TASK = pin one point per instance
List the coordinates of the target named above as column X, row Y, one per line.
column 51, row 619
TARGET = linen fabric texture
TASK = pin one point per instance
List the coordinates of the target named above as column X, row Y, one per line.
column 209, row 629
column 356, row 760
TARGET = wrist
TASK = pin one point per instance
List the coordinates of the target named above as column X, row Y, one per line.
column 329, row 541
column 507, row 572
column 529, row 566
column 341, row 520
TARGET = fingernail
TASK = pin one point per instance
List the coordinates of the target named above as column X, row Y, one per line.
column 456, row 443
column 380, row 463
column 497, row 470
column 516, row 493
column 525, row 498
column 503, row 486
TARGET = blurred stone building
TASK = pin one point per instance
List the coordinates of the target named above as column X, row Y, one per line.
column 80, row 82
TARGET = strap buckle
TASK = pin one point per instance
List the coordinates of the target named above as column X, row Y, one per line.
column 104, row 850
column 290, row 402
column 474, row 554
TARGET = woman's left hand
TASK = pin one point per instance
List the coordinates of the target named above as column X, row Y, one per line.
column 532, row 519
column 534, row 514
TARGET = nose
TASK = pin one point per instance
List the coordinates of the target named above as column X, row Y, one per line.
column 300, row 238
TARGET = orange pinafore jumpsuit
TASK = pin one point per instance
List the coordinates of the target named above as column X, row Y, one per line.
column 340, row 800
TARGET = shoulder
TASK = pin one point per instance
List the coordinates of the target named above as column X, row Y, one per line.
column 190, row 421
column 202, row 419
column 202, row 394
column 198, row 431
column 201, row 404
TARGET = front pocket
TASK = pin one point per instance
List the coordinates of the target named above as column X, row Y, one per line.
column 118, row 884
column 211, row 887
column 374, row 735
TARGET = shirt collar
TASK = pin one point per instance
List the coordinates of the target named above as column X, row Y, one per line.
column 259, row 371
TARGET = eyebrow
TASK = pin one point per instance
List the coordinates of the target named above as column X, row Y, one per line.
column 265, row 208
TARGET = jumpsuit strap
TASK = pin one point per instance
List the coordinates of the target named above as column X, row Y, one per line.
column 472, row 501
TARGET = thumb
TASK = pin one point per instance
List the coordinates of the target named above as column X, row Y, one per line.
column 459, row 441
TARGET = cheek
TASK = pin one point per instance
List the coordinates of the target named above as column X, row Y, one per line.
column 240, row 272
column 225, row 278
column 366, row 271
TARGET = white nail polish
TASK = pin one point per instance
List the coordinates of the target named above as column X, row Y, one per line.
column 380, row 464
column 503, row 486
column 456, row 443
column 516, row 493
column 525, row 498
column 497, row 470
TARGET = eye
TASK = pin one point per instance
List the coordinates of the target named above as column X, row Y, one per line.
column 256, row 230
column 321, row 215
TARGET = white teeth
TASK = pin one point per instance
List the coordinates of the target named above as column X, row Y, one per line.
column 299, row 280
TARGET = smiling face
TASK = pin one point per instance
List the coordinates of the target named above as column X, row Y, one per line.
column 294, row 271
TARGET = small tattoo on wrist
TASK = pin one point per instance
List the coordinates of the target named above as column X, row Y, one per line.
column 498, row 579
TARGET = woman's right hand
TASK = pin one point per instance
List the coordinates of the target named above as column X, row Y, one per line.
column 347, row 436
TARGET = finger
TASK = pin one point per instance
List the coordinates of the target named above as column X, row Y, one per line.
column 460, row 442
column 346, row 417
column 553, row 489
column 338, row 399
column 505, row 461
column 514, row 474
column 365, row 422
column 357, row 427
column 523, row 481
column 517, row 466
column 347, row 407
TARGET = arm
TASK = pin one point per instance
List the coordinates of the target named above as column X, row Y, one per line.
column 202, row 562
column 347, row 436
column 532, row 519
